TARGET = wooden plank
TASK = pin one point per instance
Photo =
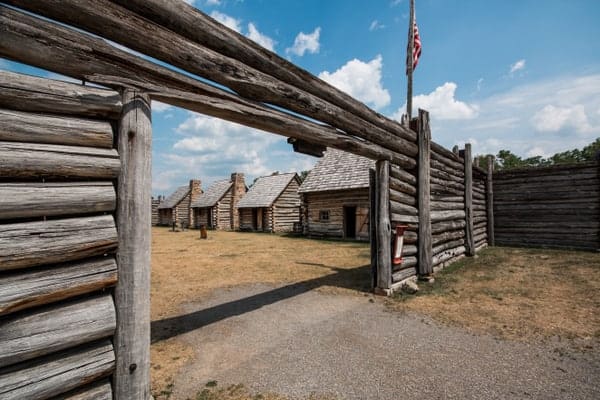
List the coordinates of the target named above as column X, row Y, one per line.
column 31, row 244
column 58, row 373
column 402, row 197
column 60, row 326
column 373, row 219
column 34, row 94
column 28, row 200
column 132, row 294
column 401, row 208
column 199, row 28
column 116, row 23
column 25, row 289
column 17, row 126
column 100, row 390
column 424, row 263
column 24, row 160
column 384, row 255
column 469, row 243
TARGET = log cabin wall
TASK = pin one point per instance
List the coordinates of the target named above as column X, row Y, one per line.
column 333, row 204
column 554, row 206
column 155, row 203
column 285, row 211
column 58, row 238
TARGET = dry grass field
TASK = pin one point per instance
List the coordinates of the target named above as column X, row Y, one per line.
column 522, row 294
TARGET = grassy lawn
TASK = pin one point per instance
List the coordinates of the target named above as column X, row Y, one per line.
column 517, row 294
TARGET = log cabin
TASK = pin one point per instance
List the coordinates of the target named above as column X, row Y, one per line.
column 272, row 204
column 216, row 208
column 335, row 197
column 155, row 203
column 176, row 207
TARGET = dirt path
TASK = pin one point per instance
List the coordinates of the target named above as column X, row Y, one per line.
column 294, row 341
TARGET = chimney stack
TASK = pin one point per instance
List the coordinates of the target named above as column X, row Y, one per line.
column 238, row 191
column 195, row 192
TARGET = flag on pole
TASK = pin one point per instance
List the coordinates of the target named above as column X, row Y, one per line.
column 416, row 49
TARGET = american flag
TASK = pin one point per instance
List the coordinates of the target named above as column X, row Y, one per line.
column 416, row 49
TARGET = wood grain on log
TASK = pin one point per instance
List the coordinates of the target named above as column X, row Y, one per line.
column 384, row 255
column 132, row 294
column 403, row 175
column 445, row 226
column 58, row 373
column 60, row 326
column 437, row 216
column 402, row 197
column 34, row 94
column 401, row 208
column 17, row 126
column 23, row 160
column 25, row 289
column 27, row 200
column 30, row 244
column 400, row 186
column 424, row 262
column 469, row 242
column 100, row 390
column 404, row 274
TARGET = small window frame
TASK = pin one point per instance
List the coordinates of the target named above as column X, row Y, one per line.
column 323, row 215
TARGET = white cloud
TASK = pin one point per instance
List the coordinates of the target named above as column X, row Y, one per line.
column 159, row 107
column 213, row 2
column 394, row 3
column 442, row 104
column 305, row 42
column 361, row 80
column 228, row 21
column 517, row 66
column 259, row 38
column 479, row 84
column 554, row 119
column 375, row 25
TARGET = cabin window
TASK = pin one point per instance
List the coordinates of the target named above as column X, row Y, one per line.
column 324, row 215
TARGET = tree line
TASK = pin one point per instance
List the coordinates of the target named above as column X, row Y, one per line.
column 505, row 159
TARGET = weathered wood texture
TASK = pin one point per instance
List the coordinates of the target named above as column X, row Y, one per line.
column 41, row 95
column 132, row 338
column 30, row 244
column 372, row 225
column 93, row 59
column 334, row 203
column 425, row 255
column 384, row 255
column 49, row 329
column 58, row 373
column 100, row 390
column 285, row 211
column 26, row 161
column 18, row 126
column 27, row 200
column 29, row 288
column 555, row 206
column 469, row 241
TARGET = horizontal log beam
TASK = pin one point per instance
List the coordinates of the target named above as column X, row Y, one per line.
column 437, row 216
column 100, row 390
column 116, row 23
column 402, row 197
column 401, row 208
column 444, row 226
column 21, row 160
column 403, row 175
column 17, row 126
column 58, row 373
column 28, row 200
column 401, row 186
column 448, row 255
column 34, row 94
column 30, row 288
column 403, row 274
column 30, row 244
column 56, row 327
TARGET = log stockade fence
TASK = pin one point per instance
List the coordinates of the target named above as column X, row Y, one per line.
column 75, row 187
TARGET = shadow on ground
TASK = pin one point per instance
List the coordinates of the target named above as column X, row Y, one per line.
column 356, row 279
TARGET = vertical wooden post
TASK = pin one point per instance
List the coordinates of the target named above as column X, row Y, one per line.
column 372, row 226
column 425, row 252
column 132, row 294
column 489, row 205
column 384, row 229
column 469, row 240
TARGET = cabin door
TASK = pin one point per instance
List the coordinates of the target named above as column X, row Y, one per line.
column 259, row 219
column 209, row 218
column 349, row 222
column 362, row 223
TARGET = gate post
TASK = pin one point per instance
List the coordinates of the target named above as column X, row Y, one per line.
column 425, row 252
column 469, row 240
column 132, row 294
column 490, row 200
column 384, row 227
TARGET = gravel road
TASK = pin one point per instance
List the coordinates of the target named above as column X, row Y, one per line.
column 293, row 341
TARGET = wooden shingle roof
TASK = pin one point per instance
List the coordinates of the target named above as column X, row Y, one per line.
column 213, row 194
column 266, row 190
column 338, row 170
column 175, row 198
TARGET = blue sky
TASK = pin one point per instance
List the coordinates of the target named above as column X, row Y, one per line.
column 518, row 75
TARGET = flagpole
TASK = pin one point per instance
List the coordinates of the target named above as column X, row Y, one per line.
column 411, row 61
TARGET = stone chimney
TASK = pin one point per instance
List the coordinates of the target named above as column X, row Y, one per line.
column 195, row 192
column 238, row 191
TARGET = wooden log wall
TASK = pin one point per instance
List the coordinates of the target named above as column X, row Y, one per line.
column 286, row 209
column 554, row 206
column 155, row 203
column 58, row 238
